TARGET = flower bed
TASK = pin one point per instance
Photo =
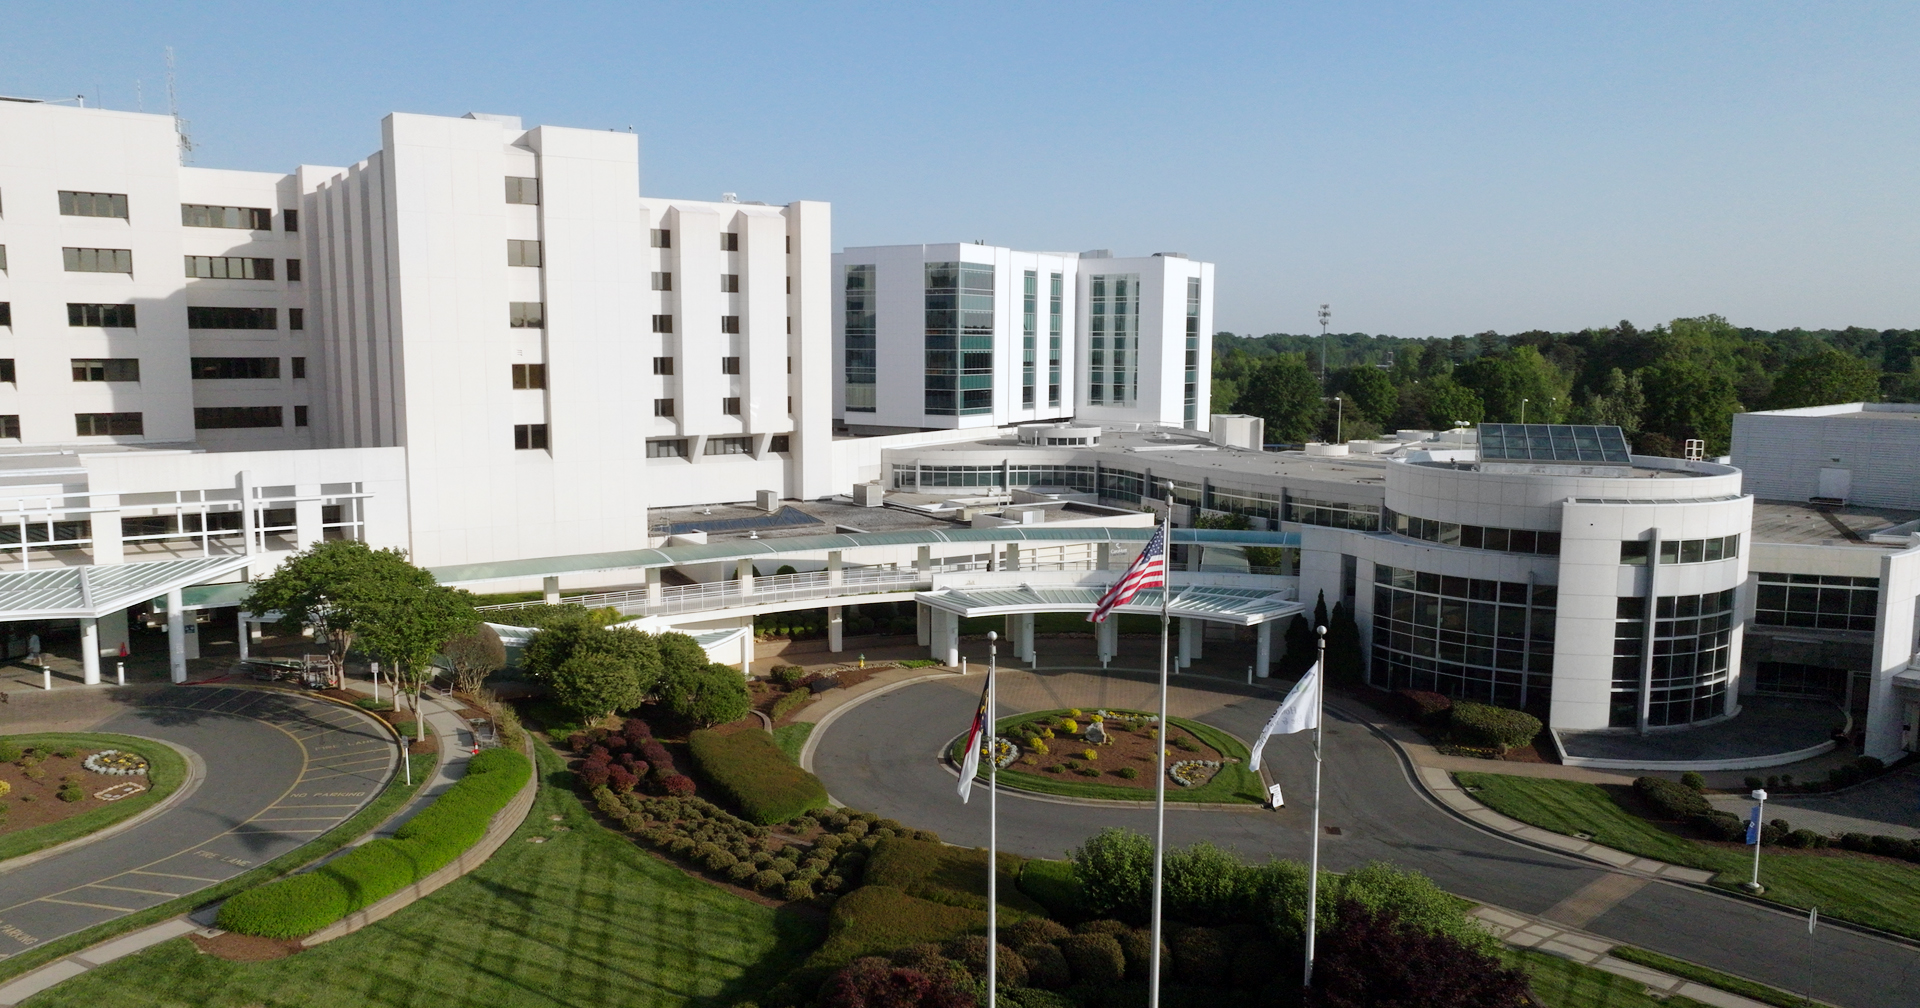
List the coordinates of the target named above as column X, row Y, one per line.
column 1063, row 752
column 115, row 763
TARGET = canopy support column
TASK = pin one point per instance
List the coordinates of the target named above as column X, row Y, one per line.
column 1263, row 651
column 176, row 636
column 835, row 628
column 1187, row 634
column 923, row 624
column 1027, row 650
column 90, row 651
column 948, row 649
column 550, row 590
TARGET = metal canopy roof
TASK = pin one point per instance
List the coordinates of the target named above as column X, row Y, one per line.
column 74, row 592
column 741, row 549
column 1242, row 606
column 1504, row 442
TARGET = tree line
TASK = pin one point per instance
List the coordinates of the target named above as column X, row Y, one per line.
column 1663, row 386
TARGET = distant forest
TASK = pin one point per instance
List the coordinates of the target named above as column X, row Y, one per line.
column 1664, row 385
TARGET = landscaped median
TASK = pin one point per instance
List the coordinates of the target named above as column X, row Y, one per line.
column 1111, row 755
column 302, row 904
column 56, row 787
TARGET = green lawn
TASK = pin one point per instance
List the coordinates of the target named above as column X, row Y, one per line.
column 1234, row 783
column 1871, row 891
column 586, row 918
column 792, row 738
column 1563, row 983
column 1711, row 977
column 165, row 771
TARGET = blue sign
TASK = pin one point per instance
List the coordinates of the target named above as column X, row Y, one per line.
column 1753, row 826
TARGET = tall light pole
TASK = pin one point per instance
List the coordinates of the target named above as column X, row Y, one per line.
column 1326, row 315
column 1523, row 412
column 1339, row 417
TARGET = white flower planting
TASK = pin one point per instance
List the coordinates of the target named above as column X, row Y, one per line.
column 1193, row 772
column 115, row 763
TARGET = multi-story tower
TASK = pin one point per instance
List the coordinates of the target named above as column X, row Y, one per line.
column 982, row 336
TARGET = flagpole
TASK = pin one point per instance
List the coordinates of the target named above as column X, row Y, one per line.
column 1313, row 858
column 1160, row 777
column 993, row 822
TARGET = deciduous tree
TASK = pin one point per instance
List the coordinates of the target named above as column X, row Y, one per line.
column 1824, row 377
column 407, row 623
column 1287, row 395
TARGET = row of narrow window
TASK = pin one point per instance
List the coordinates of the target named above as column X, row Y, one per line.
column 738, row 445
column 135, row 424
column 127, row 369
column 93, row 204
column 125, row 316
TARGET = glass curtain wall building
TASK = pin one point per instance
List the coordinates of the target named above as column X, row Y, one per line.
column 959, row 334
column 859, row 338
column 1113, row 332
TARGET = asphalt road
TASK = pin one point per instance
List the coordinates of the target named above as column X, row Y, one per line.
column 281, row 769
column 884, row 756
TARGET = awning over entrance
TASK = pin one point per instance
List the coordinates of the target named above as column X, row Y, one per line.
column 95, row 591
column 1238, row 606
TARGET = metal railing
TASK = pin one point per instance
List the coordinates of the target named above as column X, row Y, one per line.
column 728, row 594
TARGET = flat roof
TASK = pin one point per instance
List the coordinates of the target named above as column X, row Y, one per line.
column 1794, row 522
column 1909, row 412
column 1191, row 449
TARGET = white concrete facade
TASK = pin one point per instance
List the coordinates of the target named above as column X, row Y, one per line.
column 1855, row 453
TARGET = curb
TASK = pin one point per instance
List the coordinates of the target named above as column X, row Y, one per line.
column 820, row 726
column 196, row 775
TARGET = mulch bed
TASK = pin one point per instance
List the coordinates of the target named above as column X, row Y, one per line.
column 1123, row 749
column 245, row 948
column 33, row 803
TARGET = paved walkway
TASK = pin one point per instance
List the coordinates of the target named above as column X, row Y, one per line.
column 1546, row 936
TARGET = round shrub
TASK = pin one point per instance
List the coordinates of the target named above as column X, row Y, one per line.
column 70, row 793
column 720, row 859
column 1885, row 846
column 1498, row 728
column 1094, row 958
column 1252, row 964
column 784, row 866
column 1034, row 931
column 836, row 821
column 681, row 845
column 9, row 750
column 855, row 829
column 1693, row 781
column 891, row 824
column 1669, row 800
column 705, row 849
column 831, row 883
column 764, row 880
column 1110, row 927
column 5, row 789
column 798, row 889
column 828, row 843
column 970, row 952
column 1202, row 956
column 1128, row 773
column 1801, row 838
column 924, row 957
column 1046, row 967
column 761, row 857
column 740, row 871
column 926, row 835
column 678, row 785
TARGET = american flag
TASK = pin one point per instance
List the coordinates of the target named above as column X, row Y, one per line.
column 1148, row 570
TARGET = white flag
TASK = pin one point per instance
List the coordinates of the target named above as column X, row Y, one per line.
column 970, row 764
column 1298, row 712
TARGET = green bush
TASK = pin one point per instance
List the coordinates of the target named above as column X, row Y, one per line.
column 9, row 751
column 752, row 773
column 303, row 904
column 1692, row 781
column 1671, row 800
column 711, row 695
column 1115, row 871
column 1046, row 967
column 790, row 703
column 875, row 919
column 955, row 876
column 1052, row 884
column 1094, row 958
column 1494, row 727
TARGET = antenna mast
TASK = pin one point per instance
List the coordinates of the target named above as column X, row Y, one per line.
column 173, row 109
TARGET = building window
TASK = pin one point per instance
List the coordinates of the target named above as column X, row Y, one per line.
column 1334, row 514
column 1490, row 641
column 523, row 253
column 296, row 319
column 1480, row 537
column 1674, row 551
column 1192, row 374
column 1817, row 601
column 729, row 241
column 529, row 436
column 729, row 283
column 232, row 318
column 93, row 204
column 88, row 260
column 781, row 443
column 1029, row 336
column 959, row 339
column 1795, row 680
column 233, row 367
column 527, row 314
column 3, row 258
column 234, row 417
column 729, row 446
column 663, row 365
column 529, row 376
column 730, row 405
column 104, row 316
column 290, row 220
column 1055, row 313
column 729, row 365
column 663, row 323
column 662, row 238
column 233, row 268
column 1691, row 642
column 299, row 416
column 243, row 218
column 730, row 323
column 6, row 313
column 7, row 375
column 523, row 190
column 293, row 270
column 100, row 424
column 663, row 281
column 860, row 335
column 1113, row 339
column 299, row 367
column 10, row 426
column 663, row 407
column 674, row 448
column 112, row 369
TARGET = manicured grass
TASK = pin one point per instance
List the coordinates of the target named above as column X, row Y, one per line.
column 754, row 776
column 792, row 738
column 586, row 918
column 165, row 772
column 1234, row 783
column 384, row 804
column 1563, row 983
column 1866, row 890
column 1711, row 977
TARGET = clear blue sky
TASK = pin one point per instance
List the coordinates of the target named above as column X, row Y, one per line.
column 1427, row 168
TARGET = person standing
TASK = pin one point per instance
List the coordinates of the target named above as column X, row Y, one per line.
column 33, row 650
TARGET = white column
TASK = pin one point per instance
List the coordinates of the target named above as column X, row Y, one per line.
column 1186, row 643
column 176, row 636
column 108, row 547
column 1263, row 651
column 307, row 515
column 744, row 571
column 1107, row 637
column 923, row 562
column 1102, row 555
column 1027, row 648
column 655, row 590
column 834, row 576
column 923, row 624
column 550, row 590
column 249, row 518
column 835, row 629
column 1013, row 557
column 90, row 651
column 949, row 639
column 246, row 650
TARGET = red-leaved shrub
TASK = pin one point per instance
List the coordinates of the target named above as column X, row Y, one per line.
column 1371, row 958
column 577, row 742
column 593, row 774
column 620, row 779
column 677, row 785
column 657, row 755
column 636, row 730
column 639, row 769
column 874, row 982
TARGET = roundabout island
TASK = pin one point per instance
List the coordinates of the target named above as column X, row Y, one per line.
column 1109, row 755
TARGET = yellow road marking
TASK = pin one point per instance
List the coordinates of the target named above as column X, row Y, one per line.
column 161, row 874
column 144, row 892
column 95, row 906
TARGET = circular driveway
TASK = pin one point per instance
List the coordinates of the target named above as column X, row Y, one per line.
column 883, row 755
column 281, row 769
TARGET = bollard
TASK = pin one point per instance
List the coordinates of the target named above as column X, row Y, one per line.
column 1249, row 675
column 120, row 673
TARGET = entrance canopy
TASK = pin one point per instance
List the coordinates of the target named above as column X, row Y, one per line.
column 92, row 592
column 1237, row 606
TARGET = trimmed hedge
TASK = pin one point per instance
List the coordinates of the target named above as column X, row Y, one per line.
column 1424, row 706
column 302, row 904
column 1672, row 800
column 790, row 703
column 1496, row 727
column 755, row 776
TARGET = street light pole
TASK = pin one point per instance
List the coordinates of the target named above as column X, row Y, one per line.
column 1523, row 412
column 1759, row 828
